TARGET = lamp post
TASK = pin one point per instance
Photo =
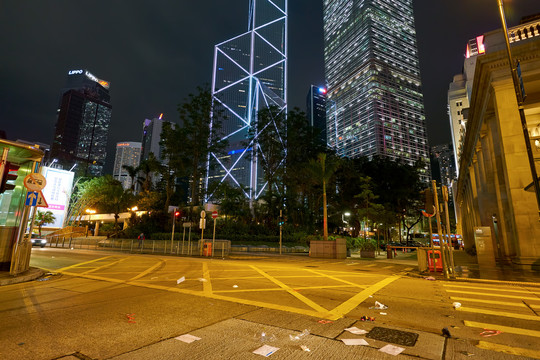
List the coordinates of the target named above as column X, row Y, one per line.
column 520, row 96
column 343, row 218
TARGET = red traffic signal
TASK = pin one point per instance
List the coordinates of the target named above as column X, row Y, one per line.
column 177, row 213
column 9, row 174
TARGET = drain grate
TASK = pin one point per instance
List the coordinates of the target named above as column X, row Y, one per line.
column 393, row 336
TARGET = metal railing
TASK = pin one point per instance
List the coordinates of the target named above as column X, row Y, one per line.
column 165, row 247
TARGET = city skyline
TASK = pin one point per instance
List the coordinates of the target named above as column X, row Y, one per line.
column 160, row 62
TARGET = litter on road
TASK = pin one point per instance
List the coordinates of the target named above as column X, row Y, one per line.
column 305, row 348
column 379, row 306
column 131, row 318
column 235, row 286
column 182, row 279
column 391, row 349
column 297, row 337
column 325, row 321
column 266, row 350
column 187, row 338
column 488, row 332
column 456, row 305
column 356, row 331
column 430, row 278
column 351, row 342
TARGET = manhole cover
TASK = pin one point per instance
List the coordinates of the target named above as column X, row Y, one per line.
column 393, row 336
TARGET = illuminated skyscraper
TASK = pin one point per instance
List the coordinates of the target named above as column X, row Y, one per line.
column 316, row 109
column 128, row 153
column 82, row 129
column 250, row 72
column 374, row 100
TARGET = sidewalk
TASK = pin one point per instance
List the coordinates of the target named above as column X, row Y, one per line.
column 31, row 274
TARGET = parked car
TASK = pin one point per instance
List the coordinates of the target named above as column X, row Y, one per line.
column 38, row 241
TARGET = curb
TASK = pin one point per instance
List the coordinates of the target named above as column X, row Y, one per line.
column 31, row 274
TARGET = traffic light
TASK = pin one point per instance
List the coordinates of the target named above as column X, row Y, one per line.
column 9, row 174
column 428, row 201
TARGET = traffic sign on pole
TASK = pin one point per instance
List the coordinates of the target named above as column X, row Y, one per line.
column 31, row 198
column 214, row 214
column 41, row 202
column 35, row 182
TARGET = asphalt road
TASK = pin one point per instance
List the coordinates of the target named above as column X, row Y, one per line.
column 107, row 305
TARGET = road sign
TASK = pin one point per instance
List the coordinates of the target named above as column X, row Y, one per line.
column 187, row 224
column 203, row 214
column 35, row 182
column 31, row 198
column 41, row 202
column 214, row 214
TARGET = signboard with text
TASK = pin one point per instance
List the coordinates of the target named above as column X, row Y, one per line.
column 57, row 192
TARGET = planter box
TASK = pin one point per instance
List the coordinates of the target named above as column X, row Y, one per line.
column 328, row 249
column 367, row 254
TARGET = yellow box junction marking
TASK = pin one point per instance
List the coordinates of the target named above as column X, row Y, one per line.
column 499, row 313
column 509, row 349
column 300, row 297
column 506, row 329
column 207, row 285
column 83, row 263
column 334, row 278
column 104, row 266
column 149, row 270
column 353, row 302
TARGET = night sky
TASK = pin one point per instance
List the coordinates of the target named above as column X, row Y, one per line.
column 154, row 53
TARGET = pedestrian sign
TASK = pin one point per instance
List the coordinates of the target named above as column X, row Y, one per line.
column 31, row 198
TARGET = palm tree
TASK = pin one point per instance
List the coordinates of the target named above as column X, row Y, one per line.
column 322, row 172
column 132, row 172
column 43, row 218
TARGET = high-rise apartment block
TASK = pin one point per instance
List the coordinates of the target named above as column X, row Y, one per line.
column 128, row 153
column 374, row 100
column 316, row 109
column 82, row 128
column 249, row 75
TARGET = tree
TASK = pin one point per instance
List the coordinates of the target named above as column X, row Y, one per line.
column 198, row 136
column 322, row 171
column 367, row 208
column 147, row 167
column 114, row 199
column 266, row 137
column 132, row 172
column 43, row 218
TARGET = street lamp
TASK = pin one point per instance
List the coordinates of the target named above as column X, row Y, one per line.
column 520, row 96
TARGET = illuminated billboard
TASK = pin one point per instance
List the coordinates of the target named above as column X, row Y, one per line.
column 57, row 193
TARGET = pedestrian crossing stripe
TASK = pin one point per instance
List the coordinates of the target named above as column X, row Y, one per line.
column 493, row 302
column 505, row 329
column 508, row 349
column 499, row 313
column 525, row 290
column 494, row 295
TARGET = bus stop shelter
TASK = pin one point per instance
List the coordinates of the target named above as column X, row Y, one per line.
column 14, row 213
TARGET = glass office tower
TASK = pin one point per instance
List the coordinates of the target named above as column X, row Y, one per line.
column 249, row 75
column 374, row 99
column 82, row 129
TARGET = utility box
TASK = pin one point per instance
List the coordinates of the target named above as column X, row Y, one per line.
column 485, row 253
